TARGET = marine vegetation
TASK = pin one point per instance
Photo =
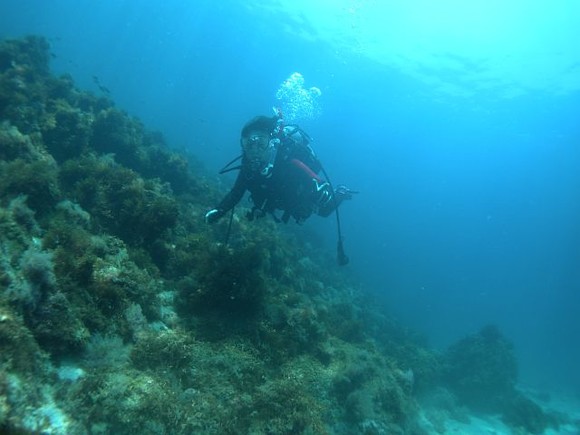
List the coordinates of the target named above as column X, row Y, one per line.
column 122, row 312
column 481, row 370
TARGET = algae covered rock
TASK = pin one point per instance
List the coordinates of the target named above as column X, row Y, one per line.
column 24, row 65
column 136, row 148
column 481, row 369
column 524, row 415
column 136, row 210
column 122, row 312
column 27, row 169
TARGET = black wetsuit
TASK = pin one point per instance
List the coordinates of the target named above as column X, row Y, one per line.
column 293, row 186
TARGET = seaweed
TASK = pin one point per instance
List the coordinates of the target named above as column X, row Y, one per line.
column 227, row 291
column 36, row 180
column 135, row 209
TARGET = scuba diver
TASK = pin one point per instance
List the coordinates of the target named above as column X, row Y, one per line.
column 280, row 170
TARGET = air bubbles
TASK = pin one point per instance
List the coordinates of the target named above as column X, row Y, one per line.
column 297, row 101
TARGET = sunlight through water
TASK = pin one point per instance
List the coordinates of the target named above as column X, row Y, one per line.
column 458, row 47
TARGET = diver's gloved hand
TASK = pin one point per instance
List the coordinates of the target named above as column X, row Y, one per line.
column 322, row 193
column 344, row 192
column 213, row 215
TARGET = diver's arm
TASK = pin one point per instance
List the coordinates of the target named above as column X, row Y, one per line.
column 235, row 195
column 230, row 200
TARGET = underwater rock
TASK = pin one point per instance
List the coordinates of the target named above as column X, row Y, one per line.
column 119, row 200
column 114, row 132
column 107, row 267
column 37, row 180
column 229, row 283
column 523, row 414
column 481, row 369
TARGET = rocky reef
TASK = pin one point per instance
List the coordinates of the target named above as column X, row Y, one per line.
column 122, row 312
column 481, row 370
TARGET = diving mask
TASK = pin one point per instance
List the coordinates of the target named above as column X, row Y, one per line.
column 260, row 152
column 255, row 143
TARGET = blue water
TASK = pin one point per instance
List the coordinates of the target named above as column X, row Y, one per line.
column 459, row 126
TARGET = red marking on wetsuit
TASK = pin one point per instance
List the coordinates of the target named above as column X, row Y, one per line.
column 304, row 167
